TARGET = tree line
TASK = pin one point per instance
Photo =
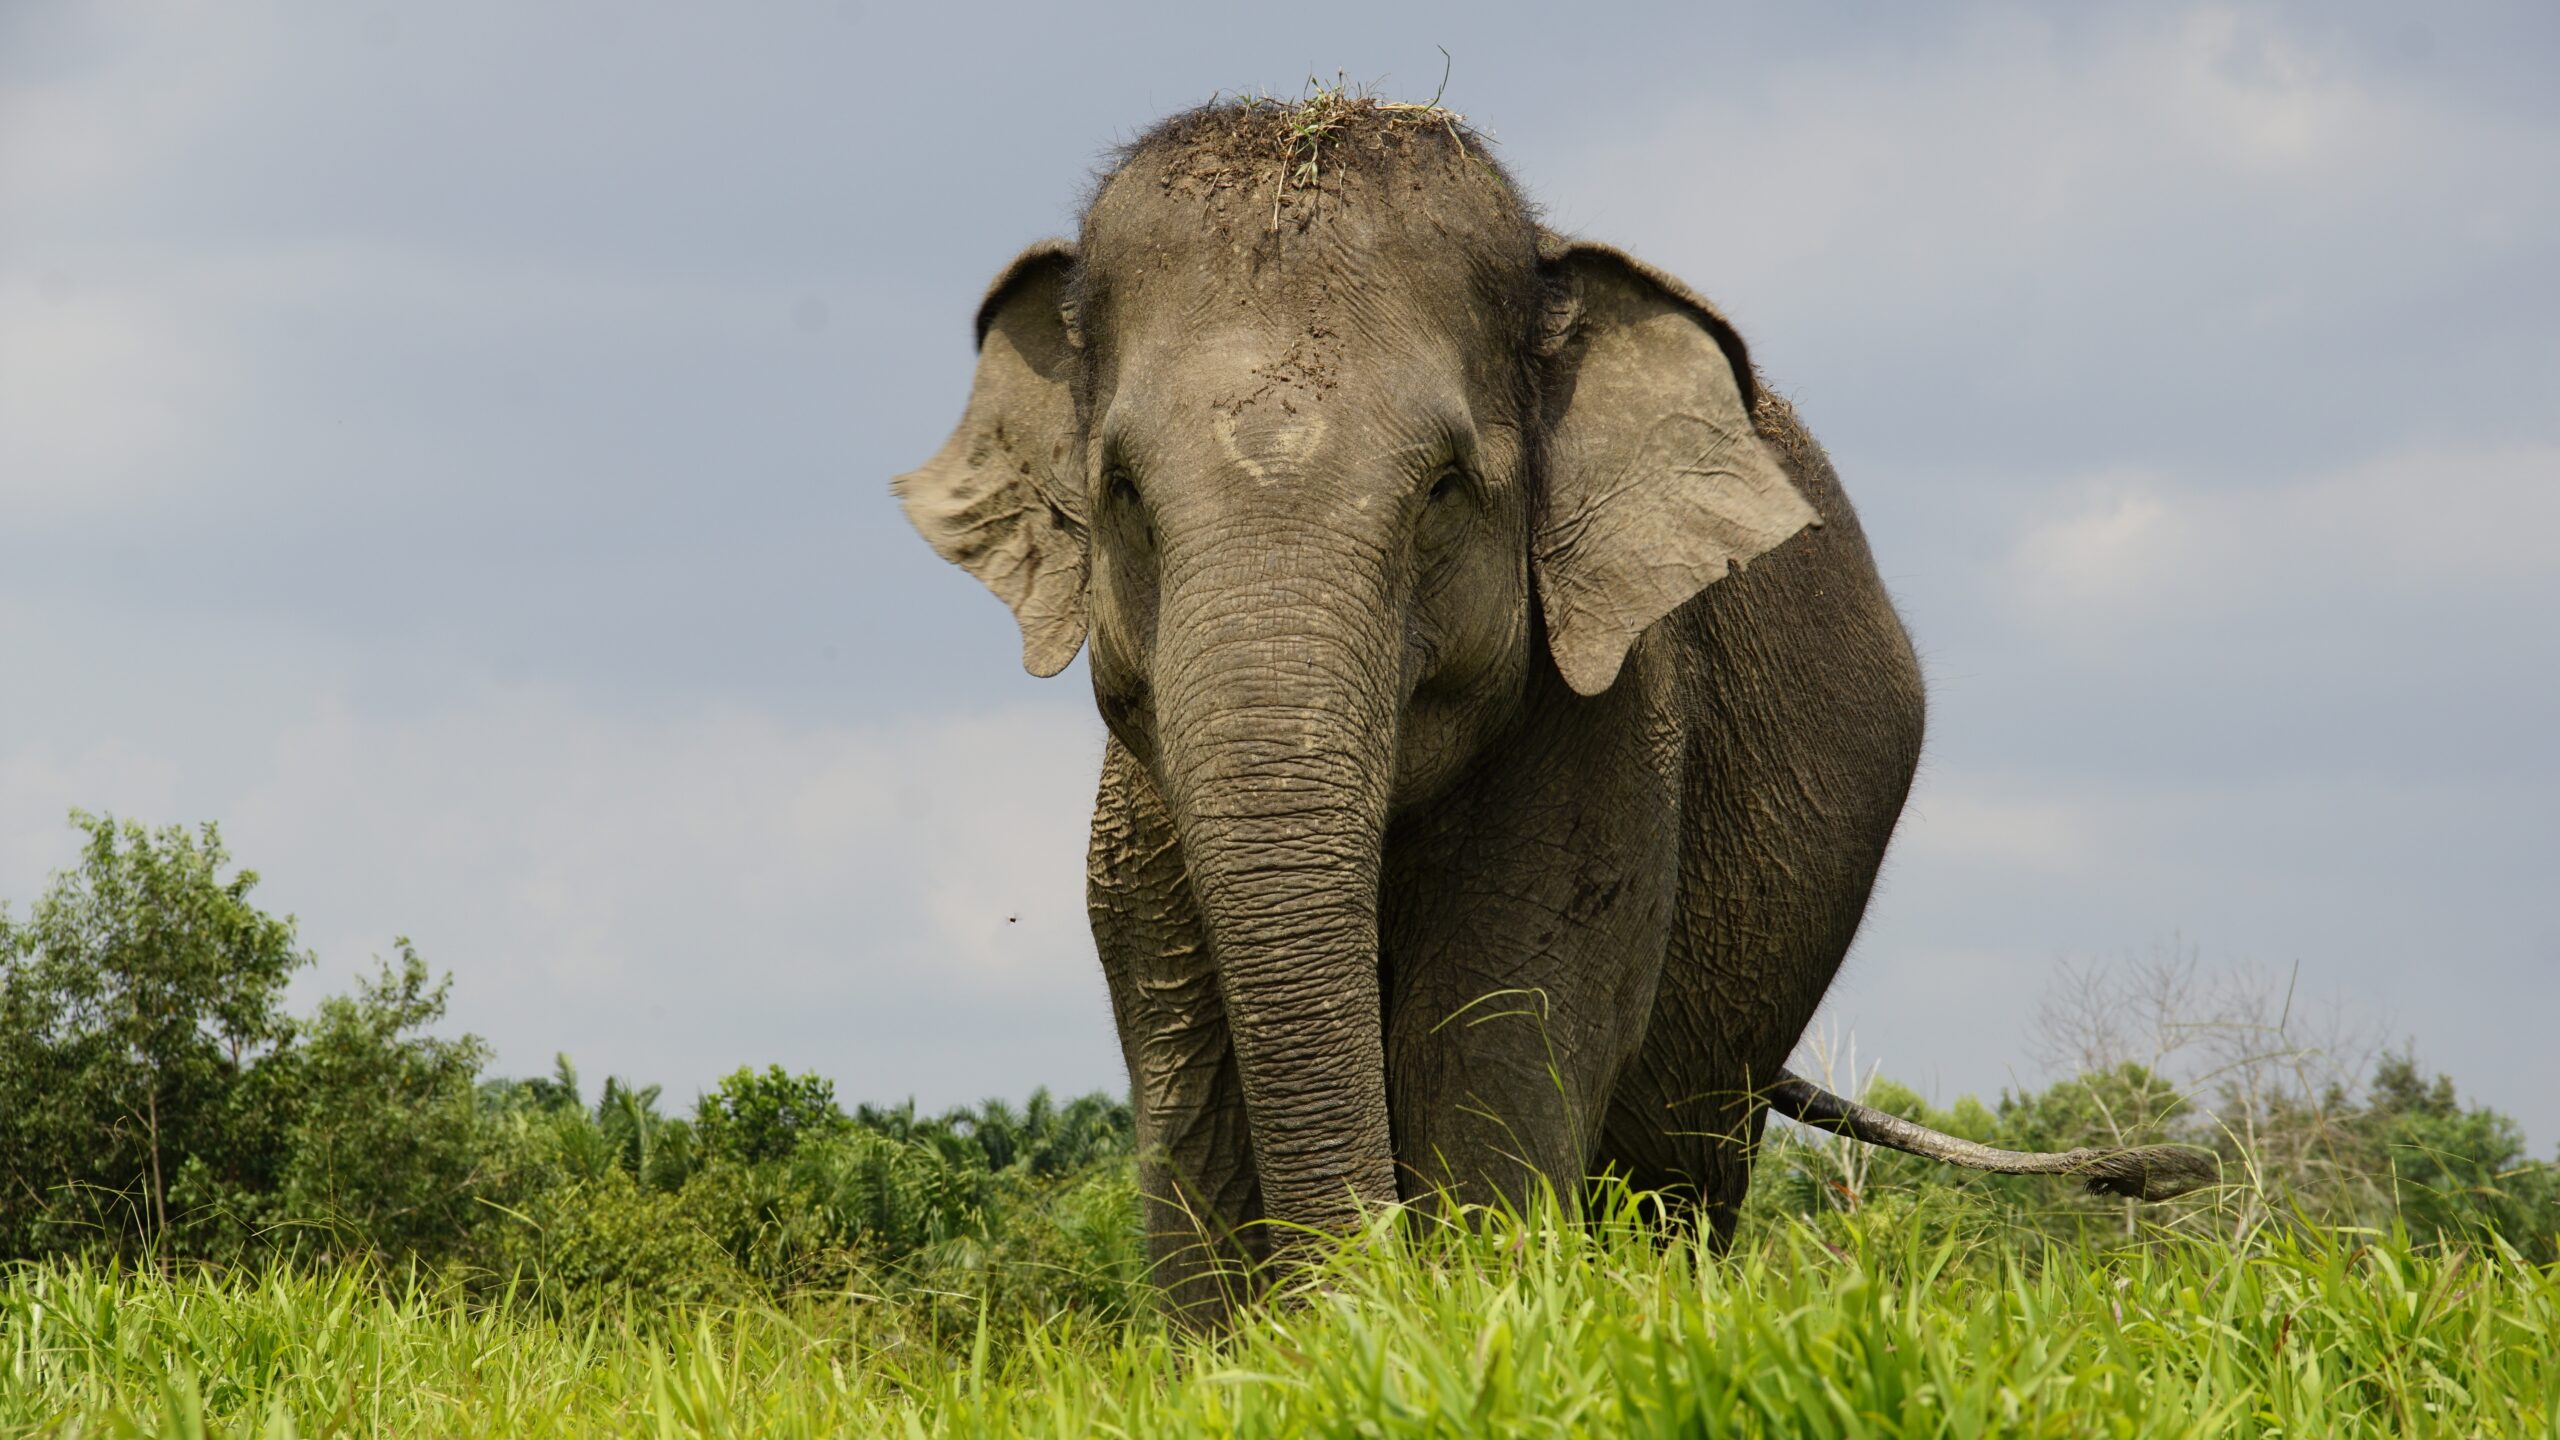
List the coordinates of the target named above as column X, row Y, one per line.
column 159, row 1106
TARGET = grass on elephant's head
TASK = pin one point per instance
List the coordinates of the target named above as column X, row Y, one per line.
column 1299, row 128
column 1481, row 1324
column 1298, row 143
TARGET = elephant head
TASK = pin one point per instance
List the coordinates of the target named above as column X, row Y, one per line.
column 1332, row 458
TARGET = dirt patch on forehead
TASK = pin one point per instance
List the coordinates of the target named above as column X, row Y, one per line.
column 1264, row 167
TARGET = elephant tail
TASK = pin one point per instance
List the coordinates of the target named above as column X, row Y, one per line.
column 2150, row 1172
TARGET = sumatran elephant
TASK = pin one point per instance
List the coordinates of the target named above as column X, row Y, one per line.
column 1506, row 719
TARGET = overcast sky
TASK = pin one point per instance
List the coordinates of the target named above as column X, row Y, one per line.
column 448, row 445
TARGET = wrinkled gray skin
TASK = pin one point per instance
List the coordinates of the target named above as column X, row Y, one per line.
column 1471, row 812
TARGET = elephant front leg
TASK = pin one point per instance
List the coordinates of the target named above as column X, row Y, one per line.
column 1195, row 1161
column 1526, row 919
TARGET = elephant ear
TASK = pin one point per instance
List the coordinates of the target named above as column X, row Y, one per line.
column 1002, row 499
column 1657, row 485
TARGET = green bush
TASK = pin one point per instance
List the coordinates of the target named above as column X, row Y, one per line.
column 755, row 1117
column 608, row 1241
column 388, row 1149
column 2453, row 1172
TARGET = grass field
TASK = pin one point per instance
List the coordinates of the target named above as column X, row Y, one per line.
column 1875, row 1325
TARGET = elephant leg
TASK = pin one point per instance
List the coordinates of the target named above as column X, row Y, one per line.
column 1772, row 889
column 1769, row 903
column 1195, row 1161
column 1524, row 924
column 1748, row 959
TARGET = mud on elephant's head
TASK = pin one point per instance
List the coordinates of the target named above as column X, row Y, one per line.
column 1313, row 380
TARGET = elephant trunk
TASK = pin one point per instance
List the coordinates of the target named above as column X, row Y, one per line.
column 1276, row 730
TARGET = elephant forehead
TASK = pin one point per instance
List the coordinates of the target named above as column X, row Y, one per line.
column 1343, row 281
column 1275, row 405
column 1313, row 300
column 1350, row 362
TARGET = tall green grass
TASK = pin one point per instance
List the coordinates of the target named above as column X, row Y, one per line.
column 1490, row 1325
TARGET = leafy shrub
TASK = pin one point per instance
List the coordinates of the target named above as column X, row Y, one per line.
column 608, row 1240
column 2454, row 1171
column 754, row 1117
column 388, row 1149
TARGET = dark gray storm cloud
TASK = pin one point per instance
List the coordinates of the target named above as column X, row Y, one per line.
column 449, row 447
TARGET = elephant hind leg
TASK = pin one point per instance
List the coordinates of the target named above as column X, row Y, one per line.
column 1693, row 1150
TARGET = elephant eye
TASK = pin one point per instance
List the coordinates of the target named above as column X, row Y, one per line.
column 1120, row 496
column 1125, row 511
column 1446, row 514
